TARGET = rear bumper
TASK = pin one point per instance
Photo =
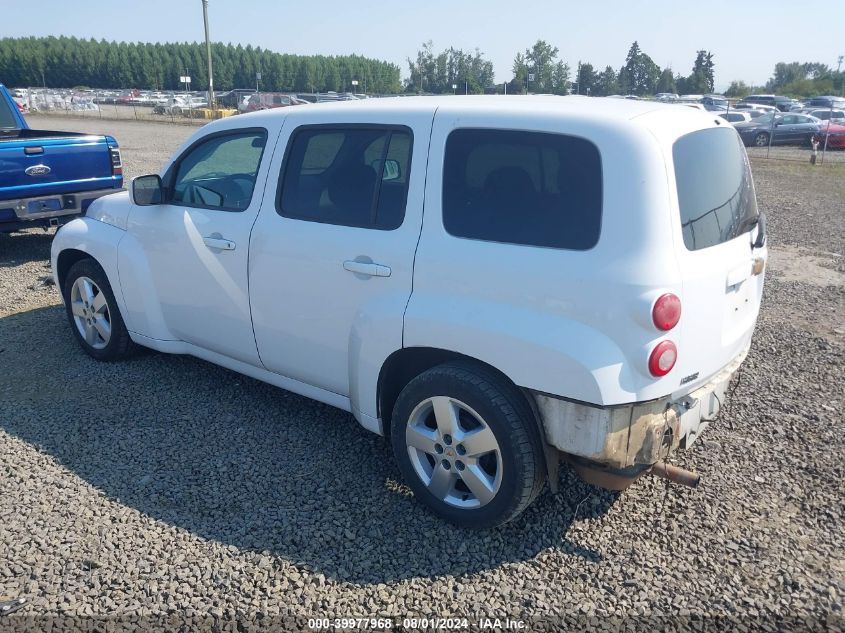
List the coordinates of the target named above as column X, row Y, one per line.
column 626, row 441
column 52, row 206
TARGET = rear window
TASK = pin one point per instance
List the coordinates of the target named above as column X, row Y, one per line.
column 7, row 116
column 715, row 190
column 527, row 188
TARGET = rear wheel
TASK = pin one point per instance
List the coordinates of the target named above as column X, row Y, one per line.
column 468, row 445
column 761, row 139
column 94, row 317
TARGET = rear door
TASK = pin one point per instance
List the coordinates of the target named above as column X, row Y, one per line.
column 331, row 255
column 718, row 215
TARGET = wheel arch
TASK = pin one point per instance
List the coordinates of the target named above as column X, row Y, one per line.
column 405, row 364
column 67, row 258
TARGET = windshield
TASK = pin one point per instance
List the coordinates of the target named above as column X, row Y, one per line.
column 715, row 191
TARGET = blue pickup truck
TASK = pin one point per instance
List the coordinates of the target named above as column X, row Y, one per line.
column 47, row 177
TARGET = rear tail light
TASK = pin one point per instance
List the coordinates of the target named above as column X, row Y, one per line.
column 662, row 358
column 666, row 312
column 116, row 163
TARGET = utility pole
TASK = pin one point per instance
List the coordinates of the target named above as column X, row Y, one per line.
column 208, row 54
column 578, row 79
column 841, row 83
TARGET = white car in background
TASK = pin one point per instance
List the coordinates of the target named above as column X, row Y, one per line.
column 735, row 116
column 496, row 283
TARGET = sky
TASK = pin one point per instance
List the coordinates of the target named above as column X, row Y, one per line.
column 747, row 37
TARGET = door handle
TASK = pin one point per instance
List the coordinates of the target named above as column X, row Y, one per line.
column 366, row 268
column 219, row 243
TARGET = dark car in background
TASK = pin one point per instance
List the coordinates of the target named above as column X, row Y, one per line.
column 837, row 103
column 784, row 104
column 788, row 129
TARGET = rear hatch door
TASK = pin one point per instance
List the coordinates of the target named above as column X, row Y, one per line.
column 721, row 268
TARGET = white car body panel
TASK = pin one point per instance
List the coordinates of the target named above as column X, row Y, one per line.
column 575, row 324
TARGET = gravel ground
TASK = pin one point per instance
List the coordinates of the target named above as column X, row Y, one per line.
column 168, row 487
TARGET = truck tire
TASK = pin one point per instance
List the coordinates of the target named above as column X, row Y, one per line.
column 468, row 445
column 93, row 314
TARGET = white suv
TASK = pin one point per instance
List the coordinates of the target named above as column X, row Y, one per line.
column 497, row 283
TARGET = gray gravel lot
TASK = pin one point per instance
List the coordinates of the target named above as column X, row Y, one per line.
column 168, row 486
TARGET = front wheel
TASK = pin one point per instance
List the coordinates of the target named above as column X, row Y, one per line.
column 94, row 317
column 468, row 445
column 761, row 140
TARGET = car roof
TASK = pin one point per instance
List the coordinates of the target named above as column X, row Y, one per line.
column 597, row 108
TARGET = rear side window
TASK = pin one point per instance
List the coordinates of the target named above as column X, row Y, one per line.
column 526, row 188
column 355, row 176
column 715, row 190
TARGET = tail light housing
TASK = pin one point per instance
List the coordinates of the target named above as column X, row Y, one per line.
column 662, row 358
column 116, row 162
column 666, row 312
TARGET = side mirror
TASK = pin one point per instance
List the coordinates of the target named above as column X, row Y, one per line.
column 761, row 231
column 147, row 190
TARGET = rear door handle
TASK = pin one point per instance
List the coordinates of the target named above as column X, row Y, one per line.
column 220, row 243
column 366, row 268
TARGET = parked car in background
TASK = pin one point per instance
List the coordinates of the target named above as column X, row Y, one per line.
column 781, row 103
column 788, row 129
column 824, row 115
column 735, row 116
column 382, row 271
column 666, row 96
column 740, row 105
column 269, row 100
column 714, row 102
column 838, row 103
column 49, row 177
column 834, row 133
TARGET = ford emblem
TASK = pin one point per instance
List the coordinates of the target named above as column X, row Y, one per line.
column 37, row 170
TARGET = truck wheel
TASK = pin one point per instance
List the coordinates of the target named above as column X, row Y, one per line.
column 761, row 140
column 468, row 445
column 93, row 313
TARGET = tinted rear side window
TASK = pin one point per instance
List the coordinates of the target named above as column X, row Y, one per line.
column 525, row 188
column 715, row 190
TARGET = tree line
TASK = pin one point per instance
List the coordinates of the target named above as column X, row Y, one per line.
column 539, row 69
column 795, row 79
column 66, row 62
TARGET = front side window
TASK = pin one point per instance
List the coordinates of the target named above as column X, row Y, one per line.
column 355, row 176
column 220, row 172
column 528, row 188
column 715, row 192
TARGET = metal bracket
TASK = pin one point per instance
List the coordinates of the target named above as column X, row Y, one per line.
column 10, row 606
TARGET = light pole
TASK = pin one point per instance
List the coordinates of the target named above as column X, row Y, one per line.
column 208, row 54
column 841, row 83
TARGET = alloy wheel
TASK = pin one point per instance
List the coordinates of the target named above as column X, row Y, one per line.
column 454, row 452
column 90, row 312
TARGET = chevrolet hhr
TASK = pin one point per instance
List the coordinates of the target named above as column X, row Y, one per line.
column 497, row 284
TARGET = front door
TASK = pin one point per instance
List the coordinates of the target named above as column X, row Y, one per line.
column 331, row 257
column 196, row 244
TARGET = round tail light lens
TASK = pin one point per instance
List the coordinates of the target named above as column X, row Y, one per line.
column 662, row 358
column 666, row 312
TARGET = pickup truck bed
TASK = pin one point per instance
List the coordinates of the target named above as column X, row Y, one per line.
column 47, row 177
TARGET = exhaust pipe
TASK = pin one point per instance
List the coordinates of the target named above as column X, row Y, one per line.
column 676, row 474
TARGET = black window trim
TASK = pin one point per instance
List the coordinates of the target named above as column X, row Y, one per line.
column 517, row 244
column 343, row 127
column 170, row 174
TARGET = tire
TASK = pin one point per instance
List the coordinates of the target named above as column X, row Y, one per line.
column 92, row 312
column 761, row 139
column 478, row 462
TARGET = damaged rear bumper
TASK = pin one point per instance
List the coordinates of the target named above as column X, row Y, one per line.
column 612, row 446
